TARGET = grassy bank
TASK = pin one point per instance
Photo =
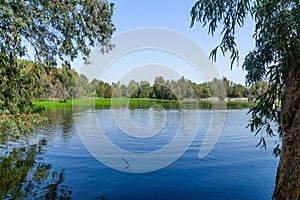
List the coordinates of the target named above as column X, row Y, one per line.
column 135, row 103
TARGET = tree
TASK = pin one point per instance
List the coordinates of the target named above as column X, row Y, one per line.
column 123, row 90
column 92, row 86
column 107, row 90
column 68, row 77
column 60, row 29
column 100, row 90
column 133, row 89
column 144, row 89
column 275, row 58
column 159, row 88
column 257, row 89
column 201, row 90
column 81, row 85
column 236, row 91
column 116, row 92
column 217, row 89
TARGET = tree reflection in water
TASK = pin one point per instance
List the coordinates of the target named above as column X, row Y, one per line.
column 24, row 176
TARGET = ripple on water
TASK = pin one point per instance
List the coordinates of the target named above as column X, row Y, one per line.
column 234, row 169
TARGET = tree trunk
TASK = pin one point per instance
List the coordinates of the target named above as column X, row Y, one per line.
column 288, row 173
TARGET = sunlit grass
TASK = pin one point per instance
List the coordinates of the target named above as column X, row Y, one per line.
column 134, row 103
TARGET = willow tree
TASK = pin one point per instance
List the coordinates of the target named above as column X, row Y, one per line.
column 52, row 30
column 276, row 59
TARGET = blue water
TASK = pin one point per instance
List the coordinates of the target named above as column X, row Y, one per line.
column 234, row 169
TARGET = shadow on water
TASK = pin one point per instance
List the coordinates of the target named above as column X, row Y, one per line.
column 23, row 175
column 23, row 172
column 177, row 105
column 60, row 124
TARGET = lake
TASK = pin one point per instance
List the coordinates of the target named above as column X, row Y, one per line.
column 66, row 158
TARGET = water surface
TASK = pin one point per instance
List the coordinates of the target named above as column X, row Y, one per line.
column 59, row 166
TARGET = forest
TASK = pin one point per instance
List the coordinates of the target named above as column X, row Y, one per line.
column 52, row 83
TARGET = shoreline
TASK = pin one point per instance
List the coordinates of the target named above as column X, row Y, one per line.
column 141, row 103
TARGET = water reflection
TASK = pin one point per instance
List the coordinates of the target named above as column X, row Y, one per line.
column 52, row 163
column 61, row 122
column 24, row 175
column 175, row 105
column 23, row 172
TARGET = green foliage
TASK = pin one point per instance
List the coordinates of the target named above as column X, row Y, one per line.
column 133, row 89
column 73, row 85
column 104, row 90
column 145, row 89
column 54, row 30
column 276, row 53
column 60, row 84
column 216, row 88
column 16, row 88
column 137, row 103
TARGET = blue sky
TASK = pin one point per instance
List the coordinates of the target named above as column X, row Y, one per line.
column 175, row 15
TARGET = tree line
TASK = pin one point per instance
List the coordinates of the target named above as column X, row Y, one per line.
column 65, row 83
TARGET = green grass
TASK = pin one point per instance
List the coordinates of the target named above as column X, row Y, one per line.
column 141, row 103
column 82, row 102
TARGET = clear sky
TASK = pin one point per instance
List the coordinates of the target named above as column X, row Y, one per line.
column 175, row 15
